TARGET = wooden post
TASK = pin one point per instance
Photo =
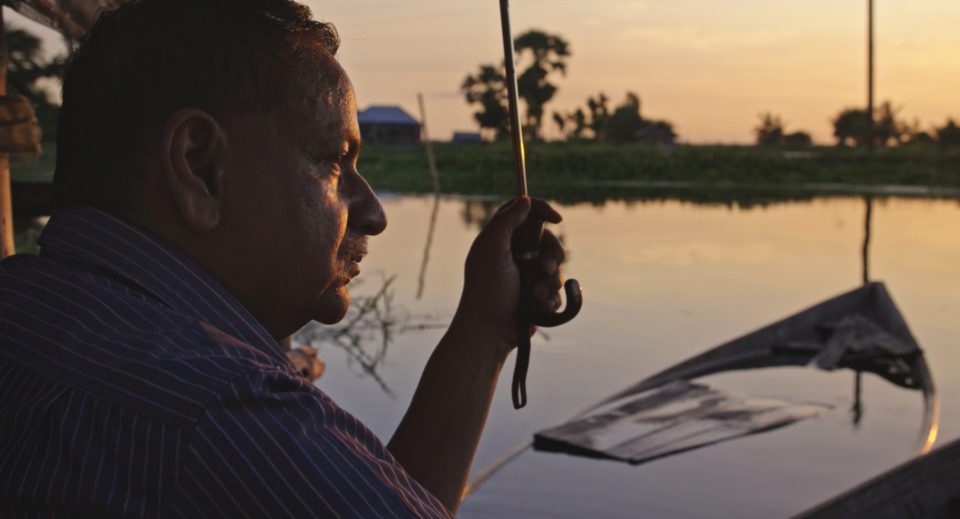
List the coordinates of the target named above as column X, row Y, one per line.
column 870, row 122
column 431, row 159
column 6, row 202
column 432, row 163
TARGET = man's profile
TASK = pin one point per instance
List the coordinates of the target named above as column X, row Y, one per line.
column 209, row 204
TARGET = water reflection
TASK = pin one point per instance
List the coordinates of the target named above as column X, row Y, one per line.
column 738, row 196
column 431, row 227
column 365, row 334
column 667, row 277
column 475, row 212
column 856, row 410
column 867, row 224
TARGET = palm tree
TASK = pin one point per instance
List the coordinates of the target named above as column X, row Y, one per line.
column 548, row 53
column 488, row 88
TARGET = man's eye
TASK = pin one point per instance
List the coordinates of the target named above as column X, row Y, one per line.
column 329, row 166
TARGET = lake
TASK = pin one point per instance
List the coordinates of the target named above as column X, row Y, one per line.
column 665, row 279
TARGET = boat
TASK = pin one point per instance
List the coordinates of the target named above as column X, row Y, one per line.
column 668, row 412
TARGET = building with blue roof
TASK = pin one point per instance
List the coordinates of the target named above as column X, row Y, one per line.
column 382, row 124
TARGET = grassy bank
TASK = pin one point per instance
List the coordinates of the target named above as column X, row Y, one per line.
column 487, row 168
column 604, row 171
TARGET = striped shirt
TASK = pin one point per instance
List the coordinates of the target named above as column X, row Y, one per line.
column 133, row 384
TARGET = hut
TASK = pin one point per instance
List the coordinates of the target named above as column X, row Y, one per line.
column 467, row 137
column 380, row 124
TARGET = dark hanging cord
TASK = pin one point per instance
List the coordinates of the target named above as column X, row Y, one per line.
column 866, row 239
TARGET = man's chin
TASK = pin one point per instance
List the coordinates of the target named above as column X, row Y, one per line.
column 331, row 307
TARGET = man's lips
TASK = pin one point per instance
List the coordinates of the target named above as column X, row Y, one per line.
column 353, row 268
column 353, row 253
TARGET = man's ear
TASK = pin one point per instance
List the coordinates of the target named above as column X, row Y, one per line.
column 193, row 155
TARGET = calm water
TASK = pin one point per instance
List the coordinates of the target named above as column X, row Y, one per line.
column 663, row 281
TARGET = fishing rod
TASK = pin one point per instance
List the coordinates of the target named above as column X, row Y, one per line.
column 527, row 238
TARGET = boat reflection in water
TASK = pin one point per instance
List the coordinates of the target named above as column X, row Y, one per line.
column 666, row 413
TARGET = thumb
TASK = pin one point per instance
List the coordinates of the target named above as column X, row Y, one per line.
column 512, row 215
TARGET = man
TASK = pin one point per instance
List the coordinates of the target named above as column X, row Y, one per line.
column 211, row 205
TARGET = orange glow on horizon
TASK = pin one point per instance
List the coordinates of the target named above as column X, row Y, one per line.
column 709, row 67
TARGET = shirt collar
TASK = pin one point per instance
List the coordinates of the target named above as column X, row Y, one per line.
column 158, row 269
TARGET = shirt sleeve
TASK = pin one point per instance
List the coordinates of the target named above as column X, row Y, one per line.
column 273, row 445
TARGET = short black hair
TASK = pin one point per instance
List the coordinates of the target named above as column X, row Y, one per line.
column 148, row 58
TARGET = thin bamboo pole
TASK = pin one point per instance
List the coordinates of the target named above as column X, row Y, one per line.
column 871, row 139
column 432, row 163
column 431, row 159
column 6, row 201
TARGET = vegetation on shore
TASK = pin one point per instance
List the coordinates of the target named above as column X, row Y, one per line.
column 488, row 168
column 579, row 171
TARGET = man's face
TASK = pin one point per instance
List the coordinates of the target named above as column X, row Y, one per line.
column 305, row 208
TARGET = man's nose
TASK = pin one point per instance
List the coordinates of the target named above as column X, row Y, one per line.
column 366, row 213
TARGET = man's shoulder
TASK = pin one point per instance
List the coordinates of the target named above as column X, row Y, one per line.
column 295, row 453
column 115, row 342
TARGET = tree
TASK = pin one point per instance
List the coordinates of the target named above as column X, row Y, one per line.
column 547, row 54
column 887, row 127
column 798, row 140
column 26, row 71
column 915, row 135
column 624, row 124
column 625, row 121
column 560, row 121
column 770, row 130
column 949, row 135
column 920, row 138
column 488, row 88
column 852, row 126
column 599, row 115
column 572, row 125
column 579, row 121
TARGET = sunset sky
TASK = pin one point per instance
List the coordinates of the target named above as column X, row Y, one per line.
column 709, row 66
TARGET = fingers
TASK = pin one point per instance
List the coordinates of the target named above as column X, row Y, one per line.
column 547, row 287
column 549, row 280
column 541, row 210
column 513, row 213
column 552, row 254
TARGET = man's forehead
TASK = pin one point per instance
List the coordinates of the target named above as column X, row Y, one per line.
column 327, row 104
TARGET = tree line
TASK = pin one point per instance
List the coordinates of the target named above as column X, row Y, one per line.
column 545, row 56
column 542, row 58
column 852, row 128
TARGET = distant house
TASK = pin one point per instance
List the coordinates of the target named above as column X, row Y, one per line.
column 467, row 137
column 656, row 132
column 388, row 125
